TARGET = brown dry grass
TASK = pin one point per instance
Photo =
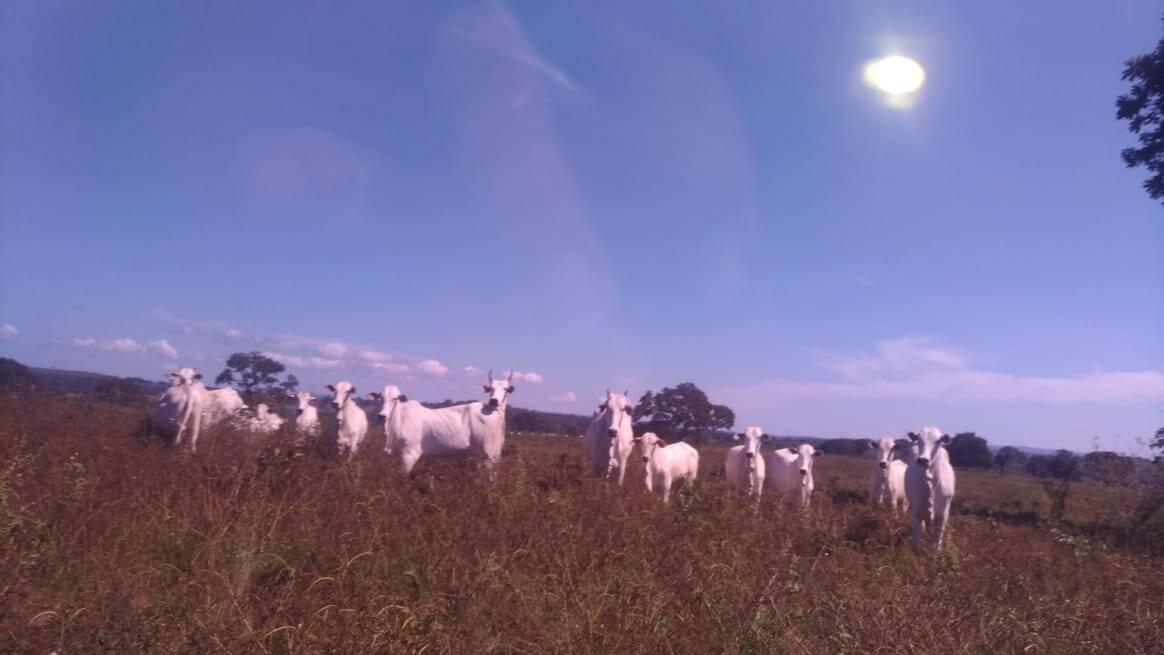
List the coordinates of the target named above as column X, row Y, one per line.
column 109, row 543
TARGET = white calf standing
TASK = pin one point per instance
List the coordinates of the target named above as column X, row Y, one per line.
column 306, row 415
column 353, row 422
column 792, row 472
column 887, row 479
column 265, row 421
column 666, row 464
column 929, row 484
column 744, row 465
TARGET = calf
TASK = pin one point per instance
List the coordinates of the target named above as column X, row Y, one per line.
column 180, row 408
column 744, row 466
column 353, row 422
column 792, row 472
column 887, row 479
column 306, row 415
column 929, row 484
column 265, row 421
column 666, row 464
column 610, row 437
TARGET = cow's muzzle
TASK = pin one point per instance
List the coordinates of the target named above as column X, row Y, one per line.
column 335, row 405
column 883, row 465
column 612, row 432
column 923, row 462
column 299, row 412
column 803, row 472
column 381, row 418
column 645, row 458
column 493, row 402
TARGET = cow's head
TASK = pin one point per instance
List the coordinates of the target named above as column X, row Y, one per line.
column 805, row 455
column 389, row 397
column 649, row 442
column 752, row 437
column 303, row 401
column 261, row 410
column 884, row 449
column 184, row 376
column 927, row 445
column 617, row 412
column 498, row 391
column 343, row 392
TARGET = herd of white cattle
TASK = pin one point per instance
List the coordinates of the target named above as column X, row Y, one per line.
column 920, row 481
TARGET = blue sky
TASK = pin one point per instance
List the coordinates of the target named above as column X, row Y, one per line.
column 595, row 195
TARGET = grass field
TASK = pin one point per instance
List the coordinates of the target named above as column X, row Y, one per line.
column 112, row 543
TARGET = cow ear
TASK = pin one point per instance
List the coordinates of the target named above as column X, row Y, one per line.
column 765, row 437
column 375, row 395
column 817, row 453
column 352, row 391
column 792, row 449
column 945, row 438
column 510, row 389
column 402, row 398
column 330, row 388
column 872, row 444
column 913, row 436
column 197, row 376
column 629, row 410
column 487, row 388
column 737, row 436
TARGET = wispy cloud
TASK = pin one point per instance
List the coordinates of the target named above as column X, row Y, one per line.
column 163, row 348
column 912, row 368
column 332, row 349
column 373, row 356
column 494, row 27
column 567, row 397
column 432, row 367
column 121, row 346
column 471, row 371
column 530, row 377
column 191, row 327
column 8, row 330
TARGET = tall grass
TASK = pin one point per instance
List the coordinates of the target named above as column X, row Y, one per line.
column 113, row 543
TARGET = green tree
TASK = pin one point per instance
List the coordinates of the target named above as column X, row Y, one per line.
column 1008, row 456
column 968, row 450
column 1108, row 467
column 1143, row 108
column 256, row 375
column 683, row 410
column 1158, row 442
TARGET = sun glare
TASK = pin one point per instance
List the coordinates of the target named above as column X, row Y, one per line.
column 895, row 75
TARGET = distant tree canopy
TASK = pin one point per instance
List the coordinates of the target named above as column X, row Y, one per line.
column 1008, row 457
column 1158, row 442
column 1143, row 107
column 1064, row 465
column 255, row 375
column 968, row 450
column 855, row 447
column 15, row 376
column 680, row 411
column 1109, row 468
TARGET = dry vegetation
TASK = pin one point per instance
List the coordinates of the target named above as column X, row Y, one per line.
column 112, row 543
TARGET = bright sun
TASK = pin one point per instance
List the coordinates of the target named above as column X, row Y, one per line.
column 895, row 75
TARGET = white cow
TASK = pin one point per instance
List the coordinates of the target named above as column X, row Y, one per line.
column 353, row 422
column 180, row 408
column 667, row 464
column 610, row 438
column 929, row 484
column 792, row 472
column 222, row 405
column 416, row 430
column 887, row 479
column 265, row 421
column 306, row 415
column 744, row 466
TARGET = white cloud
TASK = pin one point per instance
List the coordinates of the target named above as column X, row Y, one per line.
column 568, row 397
column 390, row 367
column 433, row 367
column 493, row 27
column 471, row 371
column 122, row 346
column 163, row 347
column 83, row 343
column 233, row 333
column 909, row 368
column 323, row 363
column 373, row 357
column 332, row 349
column 8, row 330
column 532, row 378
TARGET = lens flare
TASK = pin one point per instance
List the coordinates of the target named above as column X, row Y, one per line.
column 895, row 75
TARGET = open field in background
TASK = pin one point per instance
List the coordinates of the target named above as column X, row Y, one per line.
column 112, row 543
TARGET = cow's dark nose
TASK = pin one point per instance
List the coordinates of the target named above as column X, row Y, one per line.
column 381, row 418
column 644, row 458
column 803, row 472
column 883, row 465
column 750, row 455
column 923, row 462
column 335, row 405
column 493, row 402
column 299, row 411
column 612, row 432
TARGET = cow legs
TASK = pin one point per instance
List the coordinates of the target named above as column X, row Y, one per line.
column 408, row 459
column 666, row 481
column 916, row 535
column 650, row 480
column 941, row 514
column 195, row 431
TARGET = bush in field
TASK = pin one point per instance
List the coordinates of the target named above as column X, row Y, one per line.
column 1009, row 457
column 681, row 411
column 852, row 447
column 968, row 450
column 1108, row 467
column 257, row 377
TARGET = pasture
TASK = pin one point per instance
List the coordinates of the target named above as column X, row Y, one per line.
column 113, row 543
